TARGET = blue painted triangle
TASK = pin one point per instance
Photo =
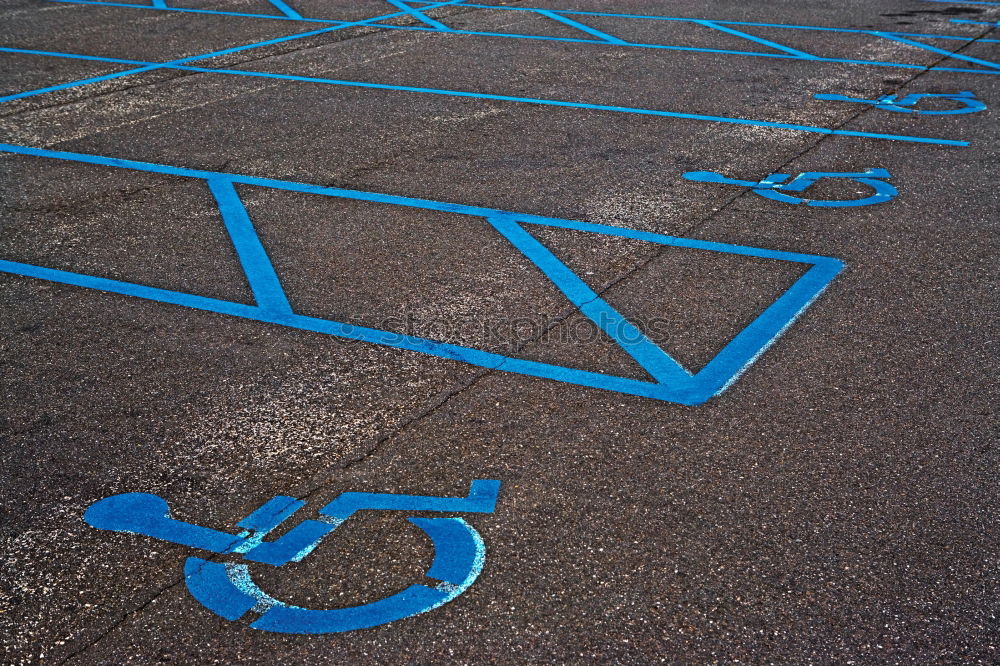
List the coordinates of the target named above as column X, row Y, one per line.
column 672, row 382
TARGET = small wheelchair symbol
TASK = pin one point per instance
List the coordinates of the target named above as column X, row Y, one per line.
column 777, row 185
column 228, row 590
column 905, row 104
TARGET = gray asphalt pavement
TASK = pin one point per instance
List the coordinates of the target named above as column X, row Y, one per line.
column 825, row 492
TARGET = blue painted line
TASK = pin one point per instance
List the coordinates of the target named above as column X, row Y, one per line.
column 274, row 17
column 655, row 17
column 565, row 104
column 190, row 10
column 744, row 349
column 73, row 84
column 666, row 47
column 476, row 33
column 993, row 23
column 285, row 9
column 417, row 14
column 934, row 49
column 692, row 390
column 656, row 362
column 172, row 63
column 967, row 2
column 260, row 273
column 75, row 56
column 603, row 36
column 583, row 105
column 159, row 4
column 766, row 42
column 924, row 35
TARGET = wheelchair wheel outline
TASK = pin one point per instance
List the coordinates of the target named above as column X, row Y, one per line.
column 905, row 104
column 228, row 590
column 884, row 192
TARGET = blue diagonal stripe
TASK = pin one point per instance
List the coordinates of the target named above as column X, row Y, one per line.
column 203, row 56
column 754, row 38
column 417, row 14
column 712, row 379
column 528, row 100
column 654, row 360
column 579, row 26
column 260, row 273
column 285, row 9
column 934, row 49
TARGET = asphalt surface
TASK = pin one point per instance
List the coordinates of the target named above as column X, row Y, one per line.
column 837, row 504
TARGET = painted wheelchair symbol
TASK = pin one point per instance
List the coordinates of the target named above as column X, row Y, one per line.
column 227, row 589
column 775, row 186
column 905, row 104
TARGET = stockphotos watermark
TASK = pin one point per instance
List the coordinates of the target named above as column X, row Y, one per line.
column 515, row 332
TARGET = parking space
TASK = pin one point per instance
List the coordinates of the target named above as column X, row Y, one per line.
column 595, row 334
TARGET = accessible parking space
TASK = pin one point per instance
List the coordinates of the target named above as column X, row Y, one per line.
column 398, row 331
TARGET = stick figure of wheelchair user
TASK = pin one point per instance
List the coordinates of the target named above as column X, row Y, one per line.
column 968, row 103
column 777, row 186
column 227, row 588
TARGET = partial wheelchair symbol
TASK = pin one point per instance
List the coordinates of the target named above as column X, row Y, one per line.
column 228, row 590
column 775, row 186
column 967, row 99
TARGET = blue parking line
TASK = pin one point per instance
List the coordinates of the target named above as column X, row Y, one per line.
column 674, row 384
column 654, row 360
column 264, row 282
column 934, row 49
column 791, row 26
column 788, row 52
column 190, row 10
column 74, row 56
column 285, row 9
column 967, row 2
column 73, row 84
column 234, row 49
column 715, row 25
column 555, row 103
column 656, row 17
column 417, row 14
column 603, row 36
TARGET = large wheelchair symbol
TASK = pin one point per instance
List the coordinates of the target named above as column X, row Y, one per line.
column 228, row 589
column 777, row 185
column 905, row 104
